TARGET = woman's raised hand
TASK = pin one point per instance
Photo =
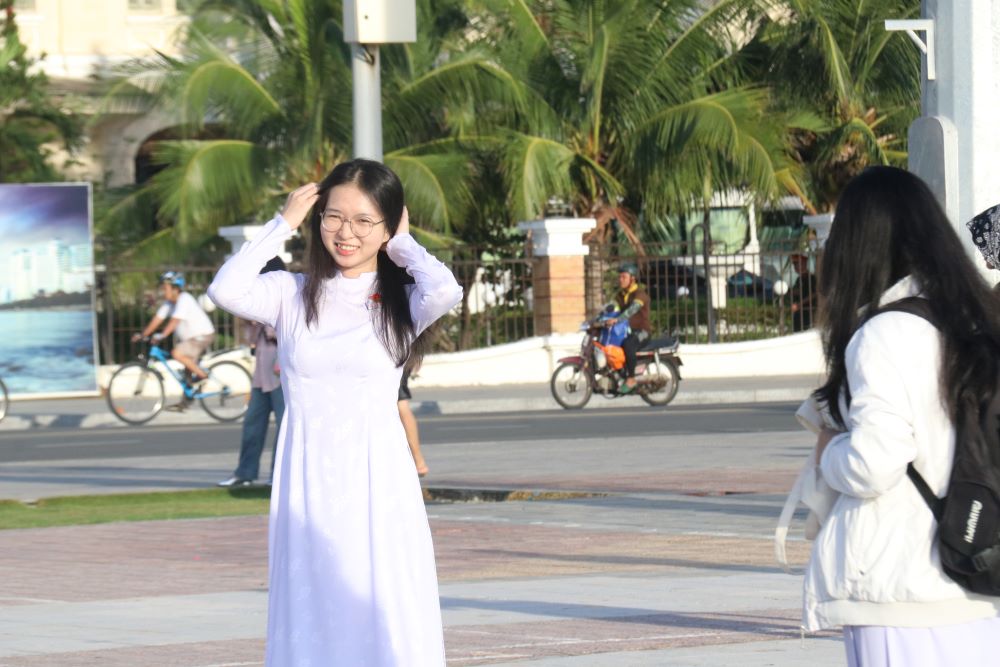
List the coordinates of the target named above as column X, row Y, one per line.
column 300, row 201
column 404, row 223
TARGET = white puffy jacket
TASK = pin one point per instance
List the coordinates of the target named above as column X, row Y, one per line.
column 875, row 561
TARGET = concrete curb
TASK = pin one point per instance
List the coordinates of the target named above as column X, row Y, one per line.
column 533, row 403
column 527, row 403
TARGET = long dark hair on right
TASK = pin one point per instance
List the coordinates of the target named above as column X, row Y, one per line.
column 394, row 324
column 889, row 225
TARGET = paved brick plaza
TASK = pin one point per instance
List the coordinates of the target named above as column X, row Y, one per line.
column 666, row 559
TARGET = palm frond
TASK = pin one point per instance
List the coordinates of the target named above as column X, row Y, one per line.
column 207, row 184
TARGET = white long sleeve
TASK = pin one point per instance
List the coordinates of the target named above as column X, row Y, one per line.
column 436, row 290
column 872, row 456
column 240, row 288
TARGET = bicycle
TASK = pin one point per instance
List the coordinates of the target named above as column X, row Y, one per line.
column 136, row 391
column 4, row 400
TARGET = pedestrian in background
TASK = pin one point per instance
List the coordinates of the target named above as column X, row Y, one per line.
column 266, row 398
column 985, row 230
column 352, row 579
column 895, row 387
column 409, row 421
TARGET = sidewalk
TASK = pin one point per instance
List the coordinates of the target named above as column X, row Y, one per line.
column 93, row 412
column 668, row 563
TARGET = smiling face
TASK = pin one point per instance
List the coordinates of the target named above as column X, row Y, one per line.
column 353, row 254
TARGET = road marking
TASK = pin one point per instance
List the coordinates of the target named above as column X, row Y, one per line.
column 604, row 413
column 470, row 427
column 78, row 443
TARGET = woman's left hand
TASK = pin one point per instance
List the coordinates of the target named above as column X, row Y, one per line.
column 404, row 223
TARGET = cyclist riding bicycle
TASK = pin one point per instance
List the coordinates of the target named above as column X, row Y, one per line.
column 632, row 304
column 185, row 318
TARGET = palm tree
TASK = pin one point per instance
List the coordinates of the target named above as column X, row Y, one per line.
column 30, row 120
column 262, row 102
column 628, row 106
column 834, row 60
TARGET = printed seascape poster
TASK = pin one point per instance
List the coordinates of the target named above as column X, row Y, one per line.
column 47, row 332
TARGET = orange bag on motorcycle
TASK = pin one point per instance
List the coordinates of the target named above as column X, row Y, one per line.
column 615, row 355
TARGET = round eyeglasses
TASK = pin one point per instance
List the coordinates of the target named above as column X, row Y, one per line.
column 361, row 226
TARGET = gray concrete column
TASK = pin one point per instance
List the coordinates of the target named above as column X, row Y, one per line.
column 956, row 145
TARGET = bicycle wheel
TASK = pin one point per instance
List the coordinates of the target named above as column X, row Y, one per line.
column 226, row 393
column 570, row 386
column 4, row 400
column 659, row 382
column 135, row 393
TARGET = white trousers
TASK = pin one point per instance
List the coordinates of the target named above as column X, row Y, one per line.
column 974, row 644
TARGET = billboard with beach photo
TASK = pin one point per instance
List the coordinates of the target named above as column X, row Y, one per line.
column 47, row 326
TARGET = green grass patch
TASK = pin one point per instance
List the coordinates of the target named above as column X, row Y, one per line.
column 78, row 510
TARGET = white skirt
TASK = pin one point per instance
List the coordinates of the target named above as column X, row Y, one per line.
column 974, row 644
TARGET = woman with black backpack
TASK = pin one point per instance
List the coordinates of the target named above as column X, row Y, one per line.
column 896, row 385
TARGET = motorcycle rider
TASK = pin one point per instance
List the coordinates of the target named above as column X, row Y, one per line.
column 632, row 304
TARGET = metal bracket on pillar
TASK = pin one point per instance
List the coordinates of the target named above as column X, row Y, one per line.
column 912, row 27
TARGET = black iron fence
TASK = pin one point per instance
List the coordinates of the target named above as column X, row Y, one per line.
column 742, row 296
column 127, row 299
column 496, row 304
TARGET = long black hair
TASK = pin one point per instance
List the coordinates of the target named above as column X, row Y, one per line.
column 888, row 225
column 394, row 324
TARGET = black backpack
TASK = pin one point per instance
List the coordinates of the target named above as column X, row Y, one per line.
column 968, row 517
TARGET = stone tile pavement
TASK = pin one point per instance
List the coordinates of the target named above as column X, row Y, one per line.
column 666, row 560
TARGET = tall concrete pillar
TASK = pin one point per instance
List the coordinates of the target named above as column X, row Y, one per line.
column 956, row 145
column 237, row 235
column 558, row 272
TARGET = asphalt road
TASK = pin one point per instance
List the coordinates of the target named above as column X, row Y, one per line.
column 60, row 444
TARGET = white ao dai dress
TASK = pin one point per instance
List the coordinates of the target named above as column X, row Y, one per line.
column 351, row 563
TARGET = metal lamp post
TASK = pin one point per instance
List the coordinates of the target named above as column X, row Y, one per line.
column 367, row 24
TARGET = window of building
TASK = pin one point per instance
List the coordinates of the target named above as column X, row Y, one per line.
column 145, row 5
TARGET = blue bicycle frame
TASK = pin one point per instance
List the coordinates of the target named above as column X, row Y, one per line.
column 157, row 353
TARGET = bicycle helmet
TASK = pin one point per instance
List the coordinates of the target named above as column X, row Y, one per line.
column 175, row 278
column 629, row 267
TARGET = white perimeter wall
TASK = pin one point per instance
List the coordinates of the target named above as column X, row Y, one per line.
column 534, row 359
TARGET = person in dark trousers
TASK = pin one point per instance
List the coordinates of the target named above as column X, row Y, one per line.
column 632, row 304
column 266, row 397
column 803, row 294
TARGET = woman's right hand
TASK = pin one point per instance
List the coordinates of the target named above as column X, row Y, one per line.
column 300, row 201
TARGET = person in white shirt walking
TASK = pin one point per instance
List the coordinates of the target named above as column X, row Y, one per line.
column 185, row 318
column 896, row 386
column 266, row 397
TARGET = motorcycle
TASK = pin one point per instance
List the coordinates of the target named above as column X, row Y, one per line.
column 599, row 368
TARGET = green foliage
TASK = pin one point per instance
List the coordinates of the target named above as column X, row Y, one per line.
column 32, row 124
column 271, row 110
column 848, row 88
column 629, row 108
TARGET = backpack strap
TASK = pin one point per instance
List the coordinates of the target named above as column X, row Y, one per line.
column 935, row 504
column 915, row 305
